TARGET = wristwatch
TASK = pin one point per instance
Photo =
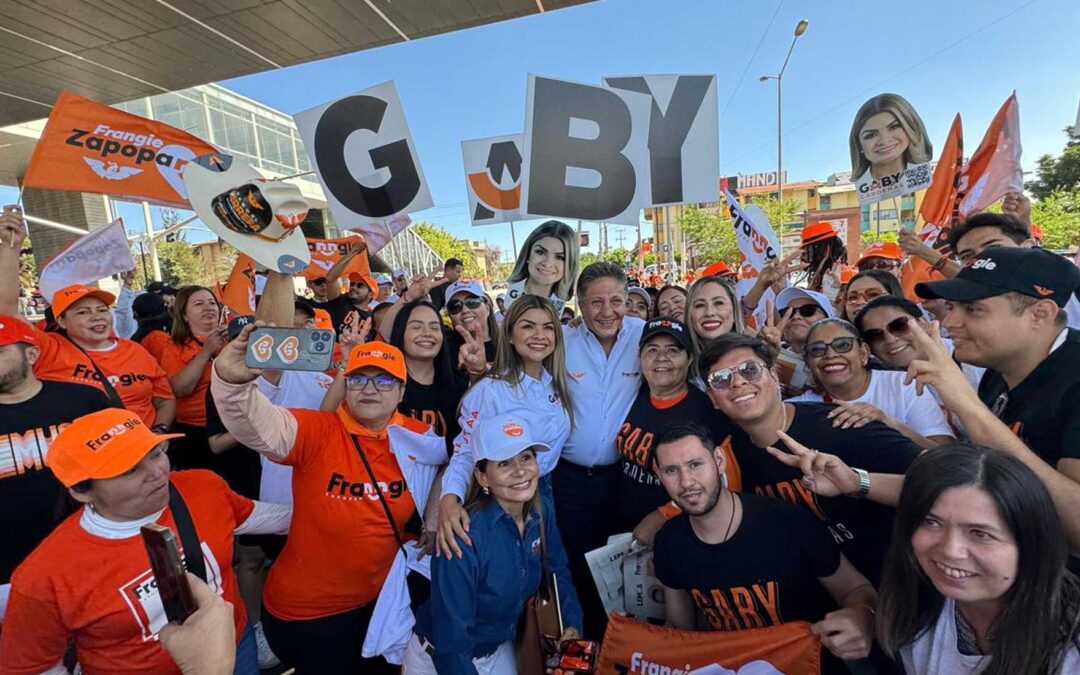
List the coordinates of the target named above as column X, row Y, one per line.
column 160, row 428
column 864, row 484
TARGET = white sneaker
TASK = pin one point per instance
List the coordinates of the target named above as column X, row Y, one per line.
column 267, row 659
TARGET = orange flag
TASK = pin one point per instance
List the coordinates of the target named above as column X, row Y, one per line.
column 91, row 147
column 634, row 648
column 994, row 169
column 326, row 252
column 238, row 293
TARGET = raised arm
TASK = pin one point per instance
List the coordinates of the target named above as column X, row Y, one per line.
column 333, row 288
column 12, row 236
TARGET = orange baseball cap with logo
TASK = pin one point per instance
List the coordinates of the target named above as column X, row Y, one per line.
column 815, row 232
column 377, row 355
column 14, row 330
column 103, row 444
column 69, row 295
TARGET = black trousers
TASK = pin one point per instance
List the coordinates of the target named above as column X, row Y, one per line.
column 584, row 499
column 330, row 645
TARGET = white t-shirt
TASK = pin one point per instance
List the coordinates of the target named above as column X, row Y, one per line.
column 888, row 392
column 935, row 653
column 296, row 389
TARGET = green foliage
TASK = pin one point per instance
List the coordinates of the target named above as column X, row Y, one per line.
column 617, row 256
column 1058, row 214
column 180, row 264
column 783, row 215
column 447, row 246
column 870, row 237
column 712, row 236
column 1058, row 174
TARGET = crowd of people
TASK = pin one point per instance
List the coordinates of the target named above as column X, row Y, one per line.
column 903, row 473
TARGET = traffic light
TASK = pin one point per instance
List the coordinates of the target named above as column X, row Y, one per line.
column 583, row 239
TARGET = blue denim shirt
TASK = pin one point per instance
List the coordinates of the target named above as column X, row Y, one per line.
column 476, row 600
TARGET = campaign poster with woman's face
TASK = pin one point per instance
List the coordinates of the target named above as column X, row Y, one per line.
column 547, row 265
column 890, row 149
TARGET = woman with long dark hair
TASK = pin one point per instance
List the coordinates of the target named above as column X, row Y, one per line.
column 975, row 580
column 866, row 286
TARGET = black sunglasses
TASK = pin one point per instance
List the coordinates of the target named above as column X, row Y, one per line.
column 455, row 306
column 840, row 345
column 805, row 311
column 898, row 327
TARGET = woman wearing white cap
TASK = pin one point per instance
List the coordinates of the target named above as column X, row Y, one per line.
column 468, row 625
column 470, row 311
column 528, row 378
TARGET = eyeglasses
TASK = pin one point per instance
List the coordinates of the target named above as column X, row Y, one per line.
column 751, row 371
column 455, row 306
column 899, row 326
column 805, row 311
column 840, row 345
column 879, row 264
column 866, row 296
column 361, row 382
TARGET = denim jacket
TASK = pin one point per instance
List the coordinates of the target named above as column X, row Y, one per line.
column 476, row 600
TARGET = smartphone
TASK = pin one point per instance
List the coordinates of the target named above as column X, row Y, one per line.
column 290, row 348
column 172, row 584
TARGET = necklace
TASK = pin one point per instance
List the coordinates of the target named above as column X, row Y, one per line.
column 731, row 520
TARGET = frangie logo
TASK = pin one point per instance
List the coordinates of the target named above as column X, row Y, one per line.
column 341, row 488
column 107, row 141
column 983, row 264
column 1043, row 290
column 513, row 429
column 99, row 443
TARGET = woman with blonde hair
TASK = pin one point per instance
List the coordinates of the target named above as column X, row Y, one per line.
column 528, row 378
column 547, row 265
column 887, row 137
column 712, row 310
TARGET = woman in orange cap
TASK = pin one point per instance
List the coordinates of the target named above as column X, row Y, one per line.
column 360, row 475
column 90, row 581
column 882, row 255
column 824, row 254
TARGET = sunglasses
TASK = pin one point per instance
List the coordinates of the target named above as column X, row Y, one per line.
column 897, row 327
column 879, row 264
column 840, row 345
column 805, row 311
column 318, row 282
column 865, row 296
column 455, row 306
column 751, row 371
column 361, row 382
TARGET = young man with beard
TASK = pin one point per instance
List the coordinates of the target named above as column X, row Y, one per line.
column 750, row 562
column 743, row 384
column 351, row 308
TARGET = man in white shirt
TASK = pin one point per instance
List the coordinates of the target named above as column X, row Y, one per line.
column 603, row 378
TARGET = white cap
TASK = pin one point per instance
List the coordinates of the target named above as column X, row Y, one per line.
column 790, row 294
column 472, row 287
column 502, row 437
column 383, row 279
column 400, row 273
column 638, row 290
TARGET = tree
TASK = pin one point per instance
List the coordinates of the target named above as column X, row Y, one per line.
column 448, row 246
column 782, row 215
column 711, row 235
column 1058, row 214
column 1058, row 174
column 870, row 236
column 180, row 264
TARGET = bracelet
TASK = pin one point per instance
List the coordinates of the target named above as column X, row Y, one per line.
column 864, row 484
column 940, row 264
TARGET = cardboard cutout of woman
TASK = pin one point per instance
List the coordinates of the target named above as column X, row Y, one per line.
column 547, row 265
column 890, row 149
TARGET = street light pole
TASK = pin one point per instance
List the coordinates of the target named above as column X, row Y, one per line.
column 800, row 28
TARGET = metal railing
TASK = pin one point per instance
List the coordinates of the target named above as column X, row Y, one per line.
column 407, row 250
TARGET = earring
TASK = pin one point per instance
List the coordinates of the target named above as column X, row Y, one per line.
column 486, row 490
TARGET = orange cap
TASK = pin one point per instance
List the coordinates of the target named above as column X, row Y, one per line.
column 847, row 273
column 371, row 283
column 815, row 232
column 377, row 355
column 69, row 295
column 717, row 269
column 323, row 320
column 1036, row 232
column 103, row 444
column 882, row 249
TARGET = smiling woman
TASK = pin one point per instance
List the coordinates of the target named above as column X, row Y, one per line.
column 887, row 136
column 547, row 265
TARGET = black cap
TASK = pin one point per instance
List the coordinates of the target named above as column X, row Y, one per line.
column 667, row 326
column 161, row 288
column 303, row 305
column 147, row 305
column 237, row 325
column 1034, row 272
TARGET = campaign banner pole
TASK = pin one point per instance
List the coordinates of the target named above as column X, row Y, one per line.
column 513, row 239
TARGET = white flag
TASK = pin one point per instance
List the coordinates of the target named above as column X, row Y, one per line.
column 93, row 256
column 757, row 241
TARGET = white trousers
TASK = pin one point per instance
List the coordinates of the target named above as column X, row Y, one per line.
column 499, row 662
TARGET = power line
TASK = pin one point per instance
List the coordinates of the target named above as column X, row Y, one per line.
column 878, row 84
column 750, row 61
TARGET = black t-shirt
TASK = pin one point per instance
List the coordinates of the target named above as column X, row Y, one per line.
column 861, row 527
column 29, row 493
column 640, row 491
column 342, row 312
column 453, row 346
column 435, row 404
column 438, row 296
column 1044, row 409
column 240, row 466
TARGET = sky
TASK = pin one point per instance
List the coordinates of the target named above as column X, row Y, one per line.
column 944, row 56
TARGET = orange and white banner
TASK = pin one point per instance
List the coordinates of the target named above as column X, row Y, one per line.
column 91, row 147
column 994, row 169
column 91, row 257
column 326, row 252
column 634, row 648
column 238, row 293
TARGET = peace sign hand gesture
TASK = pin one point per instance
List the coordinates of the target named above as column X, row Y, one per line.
column 939, row 370
column 773, row 330
column 823, row 474
column 421, row 285
column 353, row 336
column 471, row 357
column 776, row 270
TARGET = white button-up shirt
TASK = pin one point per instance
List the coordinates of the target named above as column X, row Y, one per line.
column 535, row 401
column 602, row 389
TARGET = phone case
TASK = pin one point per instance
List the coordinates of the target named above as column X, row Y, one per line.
column 172, row 584
column 290, row 349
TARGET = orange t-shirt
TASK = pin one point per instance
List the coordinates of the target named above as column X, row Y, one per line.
column 133, row 372
column 190, row 409
column 340, row 545
column 154, row 342
column 102, row 592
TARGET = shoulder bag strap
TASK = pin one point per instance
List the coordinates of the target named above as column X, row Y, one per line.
column 382, row 498
column 110, row 391
column 193, row 557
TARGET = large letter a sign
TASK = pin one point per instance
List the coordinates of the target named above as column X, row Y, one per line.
column 364, row 156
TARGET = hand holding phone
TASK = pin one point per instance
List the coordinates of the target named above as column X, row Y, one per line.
column 290, row 348
column 172, row 584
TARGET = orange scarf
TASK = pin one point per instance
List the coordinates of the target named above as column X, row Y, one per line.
column 355, row 428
